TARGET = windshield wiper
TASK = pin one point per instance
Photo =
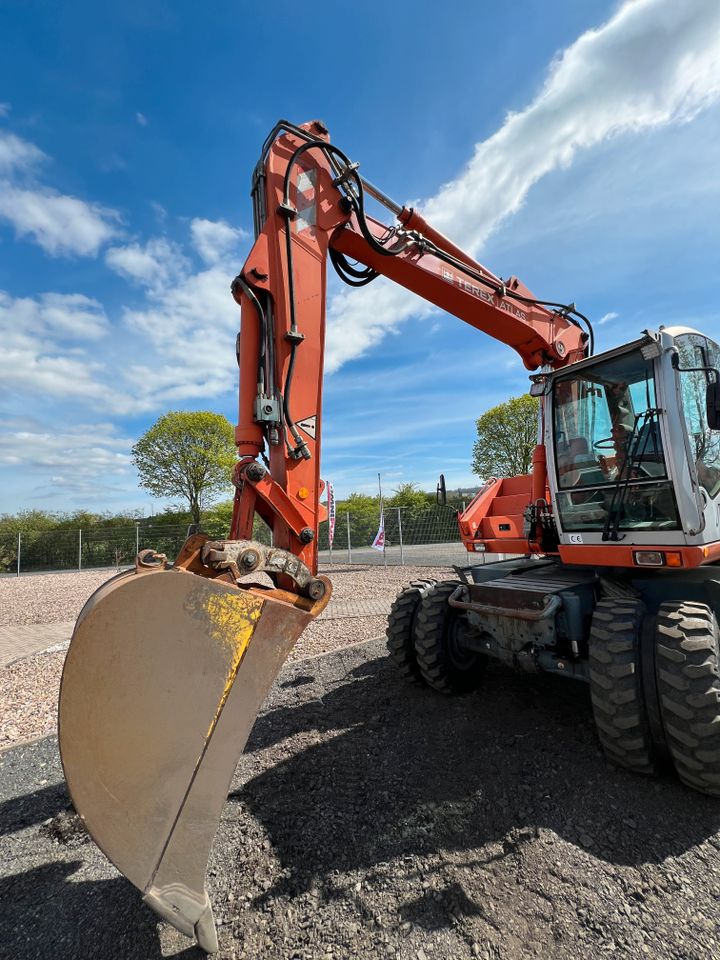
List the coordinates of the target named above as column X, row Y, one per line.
column 636, row 446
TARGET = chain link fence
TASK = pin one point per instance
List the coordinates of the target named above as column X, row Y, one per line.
column 63, row 550
column 427, row 537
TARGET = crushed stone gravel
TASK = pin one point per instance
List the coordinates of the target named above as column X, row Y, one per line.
column 56, row 597
column 371, row 819
column 49, row 597
column 29, row 687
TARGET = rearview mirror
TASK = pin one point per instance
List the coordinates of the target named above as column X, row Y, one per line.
column 440, row 491
column 712, row 404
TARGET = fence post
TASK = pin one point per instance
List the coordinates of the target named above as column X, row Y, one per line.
column 402, row 555
column 137, row 538
column 80, row 549
column 18, row 552
column 347, row 517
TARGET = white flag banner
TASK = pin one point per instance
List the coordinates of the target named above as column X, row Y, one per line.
column 331, row 513
column 379, row 541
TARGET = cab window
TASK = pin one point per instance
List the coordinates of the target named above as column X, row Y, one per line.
column 607, row 435
column 696, row 354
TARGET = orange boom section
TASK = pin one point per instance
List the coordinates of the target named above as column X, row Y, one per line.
column 309, row 205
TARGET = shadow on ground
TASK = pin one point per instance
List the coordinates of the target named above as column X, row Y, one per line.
column 379, row 771
column 359, row 770
column 48, row 913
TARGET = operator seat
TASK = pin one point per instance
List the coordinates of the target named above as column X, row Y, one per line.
column 572, row 457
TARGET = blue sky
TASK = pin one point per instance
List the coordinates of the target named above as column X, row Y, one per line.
column 575, row 145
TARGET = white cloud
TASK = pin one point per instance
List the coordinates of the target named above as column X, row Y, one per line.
column 141, row 119
column 215, row 239
column 156, row 263
column 653, row 63
column 56, row 316
column 88, row 449
column 608, row 318
column 4, row 109
column 61, row 225
column 73, row 315
column 192, row 325
column 16, row 153
column 86, row 463
column 160, row 212
column 35, row 355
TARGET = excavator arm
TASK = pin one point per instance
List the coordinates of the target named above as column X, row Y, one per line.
column 309, row 205
column 169, row 663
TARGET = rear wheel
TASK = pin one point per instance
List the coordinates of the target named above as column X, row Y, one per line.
column 400, row 629
column 444, row 661
column 687, row 664
column 616, row 684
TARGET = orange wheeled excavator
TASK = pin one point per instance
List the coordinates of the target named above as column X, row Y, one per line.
column 617, row 530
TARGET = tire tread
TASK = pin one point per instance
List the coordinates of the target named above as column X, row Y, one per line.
column 432, row 658
column 688, row 678
column 399, row 632
column 615, row 684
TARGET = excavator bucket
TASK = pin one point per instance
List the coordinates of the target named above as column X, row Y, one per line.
column 164, row 677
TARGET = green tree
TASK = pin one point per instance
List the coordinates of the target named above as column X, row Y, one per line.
column 186, row 454
column 407, row 495
column 507, row 435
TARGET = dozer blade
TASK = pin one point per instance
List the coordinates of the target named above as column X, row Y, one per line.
column 163, row 679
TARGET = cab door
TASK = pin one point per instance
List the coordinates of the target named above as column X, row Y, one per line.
column 697, row 360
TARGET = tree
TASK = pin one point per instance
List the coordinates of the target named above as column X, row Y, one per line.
column 507, row 435
column 407, row 495
column 186, row 454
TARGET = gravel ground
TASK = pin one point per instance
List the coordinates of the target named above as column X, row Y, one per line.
column 55, row 597
column 47, row 598
column 29, row 687
column 371, row 819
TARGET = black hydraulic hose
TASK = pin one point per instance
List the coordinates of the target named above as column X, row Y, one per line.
column 502, row 291
column 294, row 339
column 272, row 392
column 358, row 203
column 350, row 274
column 348, row 266
column 250, row 294
column 356, row 278
column 448, row 258
column 294, row 335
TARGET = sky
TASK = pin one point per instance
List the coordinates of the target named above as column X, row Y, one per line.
column 573, row 145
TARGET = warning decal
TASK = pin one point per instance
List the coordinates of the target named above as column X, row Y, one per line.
column 308, row 425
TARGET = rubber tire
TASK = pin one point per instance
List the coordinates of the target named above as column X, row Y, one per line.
column 433, row 623
column 400, row 627
column 687, row 666
column 616, row 684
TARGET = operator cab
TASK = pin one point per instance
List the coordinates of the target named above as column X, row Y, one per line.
column 632, row 439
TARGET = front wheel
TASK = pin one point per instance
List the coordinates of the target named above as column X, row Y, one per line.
column 444, row 660
column 687, row 665
column 616, row 690
column 400, row 630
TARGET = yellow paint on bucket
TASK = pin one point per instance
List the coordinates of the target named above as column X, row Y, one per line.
column 232, row 619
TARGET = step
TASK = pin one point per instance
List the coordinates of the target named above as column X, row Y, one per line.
column 512, row 486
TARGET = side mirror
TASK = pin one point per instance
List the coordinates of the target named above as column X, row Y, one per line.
column 712, row 403
column 441, row 492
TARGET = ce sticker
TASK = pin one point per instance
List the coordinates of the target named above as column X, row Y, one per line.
column 575, row 537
